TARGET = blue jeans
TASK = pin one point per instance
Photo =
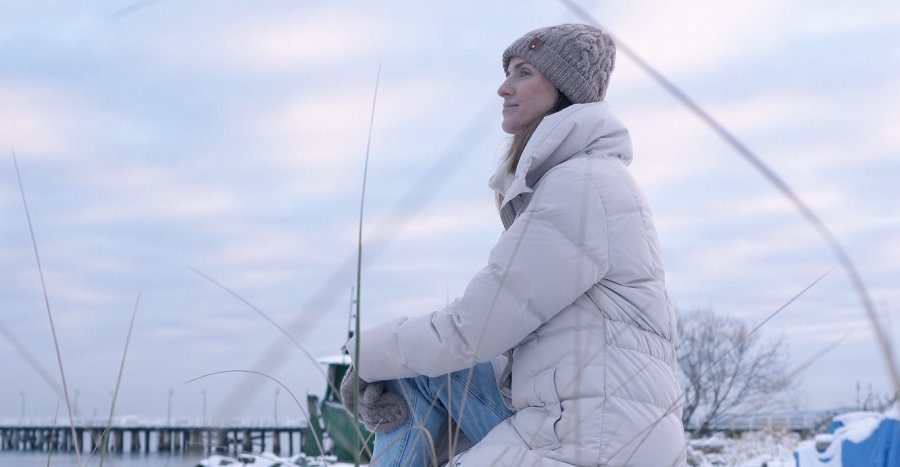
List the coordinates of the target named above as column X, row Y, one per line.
column 476, row 407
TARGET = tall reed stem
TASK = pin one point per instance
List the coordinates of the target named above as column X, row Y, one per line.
column 362, row 202
column 37, row 257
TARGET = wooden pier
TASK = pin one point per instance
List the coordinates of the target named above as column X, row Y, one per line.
column 282, row 440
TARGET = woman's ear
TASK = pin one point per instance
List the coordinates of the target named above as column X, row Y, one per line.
column 561, row 101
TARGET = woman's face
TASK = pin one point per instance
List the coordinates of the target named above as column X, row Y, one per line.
column 527, row 95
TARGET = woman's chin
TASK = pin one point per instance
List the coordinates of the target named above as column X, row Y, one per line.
column 510, row 128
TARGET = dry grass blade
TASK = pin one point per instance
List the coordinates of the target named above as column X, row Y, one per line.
column 818, row 355
column 31, row 360
column 53, row 435
column 356, row 325
column 290, row 393
column 795, row 297
column 37, row 257
column 807, row 213
column 267, row 318
column 253, row 307
column 112, row 407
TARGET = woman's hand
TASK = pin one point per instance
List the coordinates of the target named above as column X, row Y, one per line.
column 379, row 411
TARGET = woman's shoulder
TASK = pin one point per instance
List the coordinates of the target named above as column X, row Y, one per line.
column 567, row 186
column 596, row 168
column 602, row 179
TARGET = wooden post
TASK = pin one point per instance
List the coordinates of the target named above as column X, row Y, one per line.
column 247, row 442
column 91, row 442
column 221, row 444
column 195, row 440
column 164, row 443
column 135, row 441
column 118, row 440
column 79, row 438
column 276, row 442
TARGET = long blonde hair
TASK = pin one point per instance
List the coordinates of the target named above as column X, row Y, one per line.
column 521, row 138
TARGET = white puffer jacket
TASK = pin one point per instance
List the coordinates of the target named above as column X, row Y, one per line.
column 574, row 296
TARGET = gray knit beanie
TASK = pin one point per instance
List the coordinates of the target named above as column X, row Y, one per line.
column 576, row 58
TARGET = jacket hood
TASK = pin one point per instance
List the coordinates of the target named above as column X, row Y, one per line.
column 591, row 128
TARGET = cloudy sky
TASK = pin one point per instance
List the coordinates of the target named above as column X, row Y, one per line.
column 162, row 137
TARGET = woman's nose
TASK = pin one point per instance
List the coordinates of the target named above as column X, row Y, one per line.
column 505, row 89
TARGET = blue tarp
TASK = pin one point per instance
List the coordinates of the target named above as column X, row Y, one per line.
column 881, row 449
column 856, row 445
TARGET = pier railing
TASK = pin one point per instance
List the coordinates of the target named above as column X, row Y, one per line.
column 135, row 436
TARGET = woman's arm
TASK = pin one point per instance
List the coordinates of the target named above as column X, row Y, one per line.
column 554, row 251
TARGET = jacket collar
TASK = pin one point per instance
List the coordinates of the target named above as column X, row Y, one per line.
column 579, row 128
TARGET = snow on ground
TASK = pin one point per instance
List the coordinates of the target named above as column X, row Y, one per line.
column 767, row 448
column 267, row 459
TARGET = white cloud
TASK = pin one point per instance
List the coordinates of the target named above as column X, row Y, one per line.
column 320, row 38
column 690, row 38
column 297, row 39
column 40, row 120
column 148, row 193
column 767, row 111
column 878, row 138
column 854, row 329
column 841, row 18
column 320, row 136
column 448, row 219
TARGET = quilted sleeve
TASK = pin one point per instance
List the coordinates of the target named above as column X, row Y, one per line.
column 554, row 251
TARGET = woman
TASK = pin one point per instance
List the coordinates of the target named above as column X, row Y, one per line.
column 561, row 349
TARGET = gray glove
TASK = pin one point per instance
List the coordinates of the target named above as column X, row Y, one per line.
column 379, row 411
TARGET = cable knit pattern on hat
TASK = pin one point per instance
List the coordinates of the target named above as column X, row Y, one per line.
column 578, row 59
